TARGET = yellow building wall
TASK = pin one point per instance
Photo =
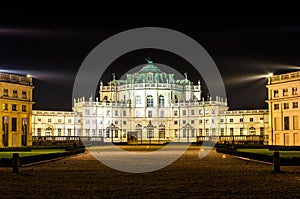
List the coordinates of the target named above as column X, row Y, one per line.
column 15, row 104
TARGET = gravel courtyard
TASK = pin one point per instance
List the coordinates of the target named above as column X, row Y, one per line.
column 82, row 176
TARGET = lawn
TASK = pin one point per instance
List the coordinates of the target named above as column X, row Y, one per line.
column 283, row 154
column 8, row 154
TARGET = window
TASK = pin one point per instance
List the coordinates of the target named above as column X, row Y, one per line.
column 24, row 108
column 87, row 112
column 161, row 101
column 107, row 132
column 87, row 132
column 294, row 91
column 183, row 121
column 59, row 131
column 14, row 124
column 116, row 133
column 231, row 120
column 200, row 111
column 221, row 120
column 296, row 122
column 192, row 112
column 69, row 132
column 200, row 121
column 5, row 92
column 262, row 130
column 175, row 113
column 39, row 119
column 193, row 133
column 276, row 93
column 108, row 113
column 175, row 122
column 14, row 107
column 124, row 113
column 285, row 105
column 231, row 131
column 69, row 121
column 241, row 131
column 276, row 106
column 124, row 122
column 251, row 119
column 206, row 111
column 49, row 120
column 213, row 111
column 201, row 132
column 59, row 121
column 161, row 113
column 295, row 104
column 192, row 121
column 161, row 131
column 150, row 129
column 212, row 121
column 241, row 119
column 39, row 130
column 206, row 121
column 100, row 133
column 87, row 121
column 252, row 131
column 222, row 131
column 183, row 112
column 285, row 92
column 286, row 121
column 15, row 93
column 149, row 101
column 116, row 113
column 149, row 114
column 24, row 94
column 116, row 122
column 5, row 106
column 138, row 99
column 207, row 131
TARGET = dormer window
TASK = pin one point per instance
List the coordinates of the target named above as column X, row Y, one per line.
column 149, row 77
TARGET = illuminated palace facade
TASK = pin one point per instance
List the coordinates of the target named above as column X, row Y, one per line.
column 284, row 109
column 153, row 106
column 16, row 110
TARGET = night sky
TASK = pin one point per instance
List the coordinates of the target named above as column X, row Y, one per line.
column 246, row 41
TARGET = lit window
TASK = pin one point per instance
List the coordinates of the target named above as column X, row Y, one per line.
column 5, row 106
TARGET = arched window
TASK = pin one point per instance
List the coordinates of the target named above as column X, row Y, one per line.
column 48, row 131
column 162, row 131
column 150, row 129
column 138, row 99
column 139, row 129
column 161, row 101
column 149, row 101
column 252, row 131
